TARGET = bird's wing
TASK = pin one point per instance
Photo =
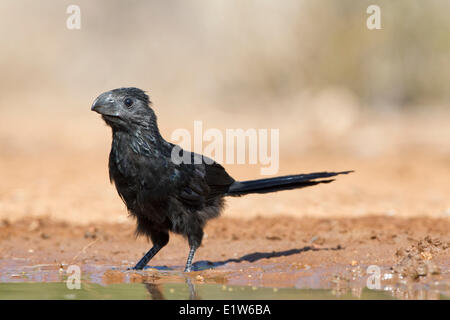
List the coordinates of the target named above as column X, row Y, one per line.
column 203, row 182
column 217, row 179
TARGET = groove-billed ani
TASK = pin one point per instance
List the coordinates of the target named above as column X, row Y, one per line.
column 165, row 196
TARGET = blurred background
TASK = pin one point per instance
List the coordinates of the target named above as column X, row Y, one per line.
column 343, row 97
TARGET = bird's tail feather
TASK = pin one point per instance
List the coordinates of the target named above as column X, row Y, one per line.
column 239, row 188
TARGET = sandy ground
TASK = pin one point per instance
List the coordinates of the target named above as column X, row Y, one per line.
column 56, row 168
column 76, row 188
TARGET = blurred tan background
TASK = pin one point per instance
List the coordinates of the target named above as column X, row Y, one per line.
column 343, row 97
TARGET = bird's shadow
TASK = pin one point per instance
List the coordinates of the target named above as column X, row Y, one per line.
column 252, row 257
column 159, row 268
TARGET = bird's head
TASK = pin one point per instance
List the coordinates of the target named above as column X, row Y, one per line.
column 125, row 109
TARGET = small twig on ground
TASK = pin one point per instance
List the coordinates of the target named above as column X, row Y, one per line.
column 84, row 249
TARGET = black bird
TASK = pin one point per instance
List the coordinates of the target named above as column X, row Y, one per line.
column 165, row 195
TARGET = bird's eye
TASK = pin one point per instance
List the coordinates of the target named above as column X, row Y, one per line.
column 128, row 102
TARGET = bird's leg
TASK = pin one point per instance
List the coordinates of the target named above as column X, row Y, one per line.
column 159, row 238
column 147, row 257
column 190, row 258
column 195, row 240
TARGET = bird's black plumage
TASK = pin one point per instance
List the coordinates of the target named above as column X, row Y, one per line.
column 165, row 196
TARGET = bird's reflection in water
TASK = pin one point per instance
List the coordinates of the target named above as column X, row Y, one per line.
column 156, row 293
column 192, row 291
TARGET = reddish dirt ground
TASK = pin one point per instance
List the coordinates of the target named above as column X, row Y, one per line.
column 273, row 252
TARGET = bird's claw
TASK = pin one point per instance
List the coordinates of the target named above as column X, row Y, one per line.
column 134, row 268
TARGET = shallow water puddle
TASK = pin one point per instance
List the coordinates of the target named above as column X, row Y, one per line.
column 49, row 281
column 58, row 291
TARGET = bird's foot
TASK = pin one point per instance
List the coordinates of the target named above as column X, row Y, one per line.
column 135, row 268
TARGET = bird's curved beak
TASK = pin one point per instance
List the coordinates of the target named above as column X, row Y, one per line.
column 106, row 105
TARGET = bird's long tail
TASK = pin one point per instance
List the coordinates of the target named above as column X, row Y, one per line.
column 239, row 188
